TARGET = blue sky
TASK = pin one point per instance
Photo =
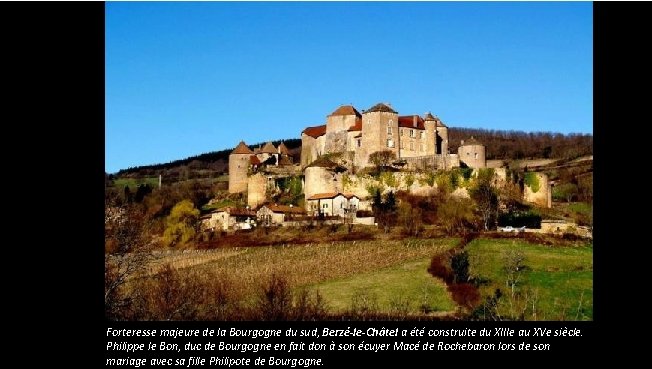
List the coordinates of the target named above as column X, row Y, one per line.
column 188, row 78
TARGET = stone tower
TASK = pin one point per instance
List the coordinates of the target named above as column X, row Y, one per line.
column 472, row 153
column 430, row 124
column 379, row 132
column 341, row 119
column 238, row 168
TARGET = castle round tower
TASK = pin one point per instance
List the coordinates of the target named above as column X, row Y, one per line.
column 472, row 153
column 238, row 167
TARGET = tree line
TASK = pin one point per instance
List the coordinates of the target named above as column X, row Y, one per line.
column 517, row 145
column 201, row 161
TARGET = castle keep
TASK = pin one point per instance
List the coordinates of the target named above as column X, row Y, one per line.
column 412, row 138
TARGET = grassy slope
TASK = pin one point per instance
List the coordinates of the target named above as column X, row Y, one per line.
column 313, row 264
column 134, row 182
column 560, row 277
column 406, row 286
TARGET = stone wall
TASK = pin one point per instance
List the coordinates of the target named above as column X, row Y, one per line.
column 256, row 190
column 335, row 142
column 543, row 197
column 320, row 180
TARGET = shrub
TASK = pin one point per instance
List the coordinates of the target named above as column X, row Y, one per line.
column 531, row 179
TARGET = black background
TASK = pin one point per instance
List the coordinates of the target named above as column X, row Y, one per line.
column 53, row 54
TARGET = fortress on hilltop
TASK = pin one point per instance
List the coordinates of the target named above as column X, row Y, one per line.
column 333, row 153
column 412, row 138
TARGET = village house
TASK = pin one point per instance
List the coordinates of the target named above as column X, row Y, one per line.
column 333, row 203
column 273, row 214
column 229, row 218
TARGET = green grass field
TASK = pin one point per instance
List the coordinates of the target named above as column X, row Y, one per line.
column 406, row 288
column 557, row 283
column 134, row 182
column 390, row 276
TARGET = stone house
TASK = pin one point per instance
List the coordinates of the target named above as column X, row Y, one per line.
column 229, row 218
column 271, row 214
column 333, row 203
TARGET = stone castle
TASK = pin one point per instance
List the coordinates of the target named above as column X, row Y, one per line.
column 332, row 154
column 417, row 142
column 413, row 139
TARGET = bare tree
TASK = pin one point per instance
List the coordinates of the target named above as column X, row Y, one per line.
column 125, row 255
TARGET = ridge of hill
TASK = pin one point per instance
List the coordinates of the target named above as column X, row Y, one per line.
column 500, row 144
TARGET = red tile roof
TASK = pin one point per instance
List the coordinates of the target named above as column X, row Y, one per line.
column 315, row 131
column 241, row 149
column 357, row 126
column 240, row 212
column 346, row 110
column 331, row 195
column 408, row 122
column 253, row 160
column 326, row 195
column 284, row 209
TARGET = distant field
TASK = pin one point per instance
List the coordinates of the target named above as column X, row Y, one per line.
column 558, row 281
column 134, row 182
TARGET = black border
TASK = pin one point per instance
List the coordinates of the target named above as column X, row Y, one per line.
column 57, row 65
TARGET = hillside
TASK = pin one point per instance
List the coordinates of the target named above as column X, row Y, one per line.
column 501, row 145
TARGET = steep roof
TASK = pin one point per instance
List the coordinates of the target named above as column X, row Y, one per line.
column 349, row 195
column 408, row 122
column 242, row 149
column 253, row 160
column 284, row 160
column 428, row 116
column 346, row 110
column 282, row 149
column 269, row 149
column 440, row 123
column 357, row 126
column 315, row 131
column 381, row 108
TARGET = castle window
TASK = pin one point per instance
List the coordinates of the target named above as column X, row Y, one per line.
column 476, row 155
column 325, row 206
column 389, row 123
column 423, row 135
column 402, row 131
column 358, row 142
column 412, row 133
column 389, row 130
column 390, row 142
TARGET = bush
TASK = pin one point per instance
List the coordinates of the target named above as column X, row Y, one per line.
column 531, row 179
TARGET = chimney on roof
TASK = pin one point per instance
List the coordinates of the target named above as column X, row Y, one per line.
column 414, row 121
